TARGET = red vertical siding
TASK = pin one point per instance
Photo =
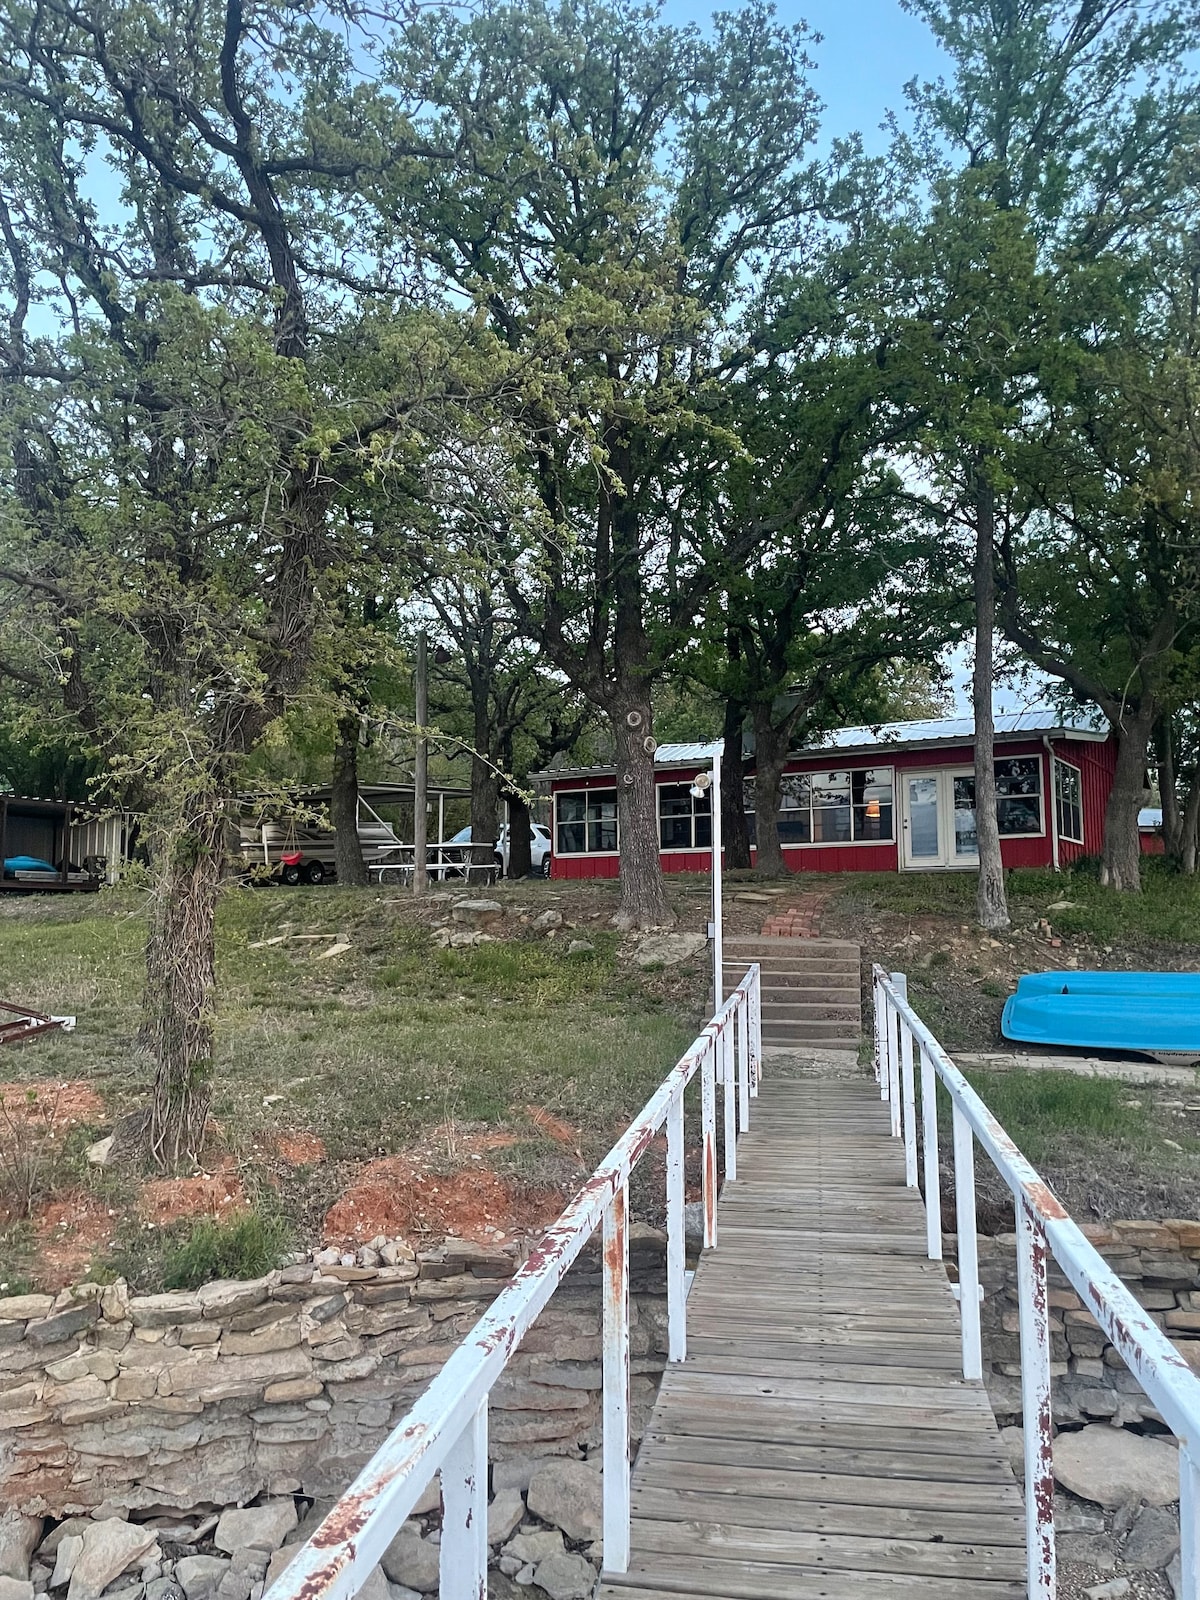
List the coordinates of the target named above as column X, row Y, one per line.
column 1097, row 764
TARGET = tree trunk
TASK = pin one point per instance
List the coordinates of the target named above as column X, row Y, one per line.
column 1121, row 861
column 1172, row 817
column 343, row 805
column 991, row 901
column 177, row 1028
column 485, row 802
column 735, row 833
column 520, row 856
column 1190, row 828
column 770, row 757
column 643, row 893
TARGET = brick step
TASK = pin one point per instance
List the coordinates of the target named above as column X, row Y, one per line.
column 771, row 941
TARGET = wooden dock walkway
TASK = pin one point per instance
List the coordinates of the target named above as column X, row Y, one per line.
column 819, row 1442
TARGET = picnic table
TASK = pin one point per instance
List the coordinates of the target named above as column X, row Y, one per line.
column 474, row 863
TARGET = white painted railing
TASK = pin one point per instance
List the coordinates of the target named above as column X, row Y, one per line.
column 446, row 1431
column 1043, row 1229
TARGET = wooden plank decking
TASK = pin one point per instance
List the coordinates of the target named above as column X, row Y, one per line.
column 819, row 1443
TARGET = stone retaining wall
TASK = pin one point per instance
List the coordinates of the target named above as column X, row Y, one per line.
column 287, row 1384
column 1160, row 1262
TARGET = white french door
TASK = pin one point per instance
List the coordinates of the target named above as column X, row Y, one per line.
column 938, row 820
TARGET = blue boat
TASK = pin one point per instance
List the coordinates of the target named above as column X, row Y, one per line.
column 1151, row 1013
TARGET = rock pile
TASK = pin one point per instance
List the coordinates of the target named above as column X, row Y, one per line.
column 544, row 1526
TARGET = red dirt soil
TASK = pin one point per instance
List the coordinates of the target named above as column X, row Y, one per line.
column 42, row 1102
column 554, row 1126
column 209, row 1194
column 392, row 1197
column 70, row 1230
column 298, row 1149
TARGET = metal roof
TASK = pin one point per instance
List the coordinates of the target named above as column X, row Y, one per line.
column 1032, row 723
column 694, row 753
column 675, row 755
column 1149, row 817
column 958, row 730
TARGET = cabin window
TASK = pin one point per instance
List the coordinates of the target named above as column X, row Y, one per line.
column 684, row 820
column 831, row 807
column 1068, row 797
column 1018, row 802
column 586, row 822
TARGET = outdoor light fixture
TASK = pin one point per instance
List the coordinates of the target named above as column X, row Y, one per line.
column 701, row 784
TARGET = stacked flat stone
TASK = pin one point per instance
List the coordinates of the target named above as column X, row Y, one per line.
column 287, row 1384
column 1160, row 1263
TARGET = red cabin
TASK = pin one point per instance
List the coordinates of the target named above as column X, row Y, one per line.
column 899, row 797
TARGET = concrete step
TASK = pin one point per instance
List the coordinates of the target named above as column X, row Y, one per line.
column 846, row 1046
column 805, row 1033
column 811, row 989
column 849, row 981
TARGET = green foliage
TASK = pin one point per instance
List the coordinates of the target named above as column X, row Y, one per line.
column 246, row 1245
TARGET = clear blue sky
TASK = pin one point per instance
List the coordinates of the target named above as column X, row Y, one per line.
column 869, row 51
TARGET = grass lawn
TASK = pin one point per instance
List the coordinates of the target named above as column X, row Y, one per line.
column 394, row 1045
column 1166, row 912
column 923, row 924
column 1108, row 1149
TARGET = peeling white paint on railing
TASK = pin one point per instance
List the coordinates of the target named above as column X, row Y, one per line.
column 446, row 1430
column 1043, row 1229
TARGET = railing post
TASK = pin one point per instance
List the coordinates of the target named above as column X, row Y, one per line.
column 909, row 1093
column 1189, row 1525
column 1035, row 1405
column 933, row 1169
column 892, row 1023
column 729, row 1100
column 616, row 1383
column 968, row 1245
column 743, row 1046
column 708, row 1122
column 756, row 1031
column 676, row 1236
column 464, row 1547
column 877, row 1007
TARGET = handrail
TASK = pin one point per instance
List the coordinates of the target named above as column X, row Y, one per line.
column 446, row 1430
column 1043, row 1227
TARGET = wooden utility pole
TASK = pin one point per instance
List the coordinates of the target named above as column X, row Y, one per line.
column 421, row 776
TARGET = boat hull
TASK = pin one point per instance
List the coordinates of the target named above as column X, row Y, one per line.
column 1152, row 1013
